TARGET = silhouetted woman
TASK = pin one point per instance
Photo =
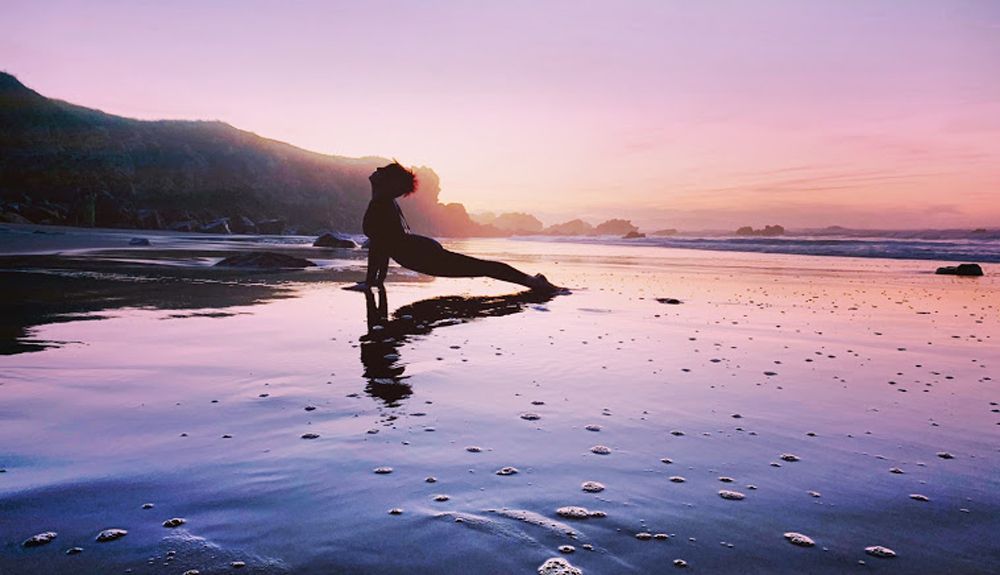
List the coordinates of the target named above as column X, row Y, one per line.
column 389, row 236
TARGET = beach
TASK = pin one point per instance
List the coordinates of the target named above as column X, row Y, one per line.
column 721, row 399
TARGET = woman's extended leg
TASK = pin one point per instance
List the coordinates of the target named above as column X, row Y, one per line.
column 427, row 256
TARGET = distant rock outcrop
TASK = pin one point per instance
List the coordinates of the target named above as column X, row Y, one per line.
column 961, row 270
column 665, row 232
column 517, row 223
column 69, row 165
column 575, row 227
column 765, row 231
column 615, row 227
column 633, row 236
column 264, row 261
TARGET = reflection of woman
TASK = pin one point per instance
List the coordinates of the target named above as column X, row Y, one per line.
column 389, row 236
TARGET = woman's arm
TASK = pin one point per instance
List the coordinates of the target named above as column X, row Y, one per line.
column 378, row 264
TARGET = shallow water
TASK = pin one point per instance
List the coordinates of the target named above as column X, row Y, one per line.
column 122, row 378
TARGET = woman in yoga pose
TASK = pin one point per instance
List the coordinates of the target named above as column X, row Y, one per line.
column 389, row 236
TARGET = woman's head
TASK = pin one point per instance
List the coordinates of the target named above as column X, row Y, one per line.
column 393, row 180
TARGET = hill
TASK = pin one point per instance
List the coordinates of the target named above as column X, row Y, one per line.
column 66, row 164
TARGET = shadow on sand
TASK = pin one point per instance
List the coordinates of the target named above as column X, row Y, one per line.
column 380, row 346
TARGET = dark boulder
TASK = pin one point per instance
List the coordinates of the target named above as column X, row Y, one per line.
column 961, row 270
column 264, row 260
column 329, row 240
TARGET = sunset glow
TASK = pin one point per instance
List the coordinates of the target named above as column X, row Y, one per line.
column 674, row 114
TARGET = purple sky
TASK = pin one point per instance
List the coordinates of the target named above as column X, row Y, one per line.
column 675, row 114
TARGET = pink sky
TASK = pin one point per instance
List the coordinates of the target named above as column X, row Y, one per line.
column 674, row 114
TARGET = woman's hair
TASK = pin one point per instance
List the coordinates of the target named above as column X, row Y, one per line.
column 400, row 178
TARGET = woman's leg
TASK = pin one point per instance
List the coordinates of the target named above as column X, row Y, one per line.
column 427, row 256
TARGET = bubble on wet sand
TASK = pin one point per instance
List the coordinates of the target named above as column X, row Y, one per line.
column 593, row 427
column 558, row 566
column 879, row 551
column 174, row 522
column 382, row 470
column 799, row 539
column 600, row 450
column 789, row 457
column 529, row 416
column 592, row 486
column 310, row 436
column 39, row 539
column 919, row 497
column 731, row 495
column 507, row 471
column 111, row 535
column 677, row 479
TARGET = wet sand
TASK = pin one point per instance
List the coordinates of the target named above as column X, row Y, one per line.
column 257, row 407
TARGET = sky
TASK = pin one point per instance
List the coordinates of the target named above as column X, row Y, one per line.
column 674, row 114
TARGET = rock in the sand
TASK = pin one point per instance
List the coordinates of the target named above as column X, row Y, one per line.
column 264, row 261
column 111, row 535
column 441, row 497
column 310, row 436
column 643, row 536
column 329, row 240
column 573, row 512
column 592, row 486
column 945, row 455
column 668, row 300
column 474, row 449
column 567, row 549
column 74, row 551
column 799, row 539
column 680, row 563
column 148, row 506
column 39, row 539
column 592, row 427
column 961, row 270
column 919, row 497
column 558, row 566
column 507, row 471
column 174, row 522
column 600, row 450
column 677, row 479
column 395, row 511
column 138, row 242
column 731, row 495
column 789, row 457
column 192, row 572
column 237, row 564
column 382, row 470
column 529, row 416
column 879, row 551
